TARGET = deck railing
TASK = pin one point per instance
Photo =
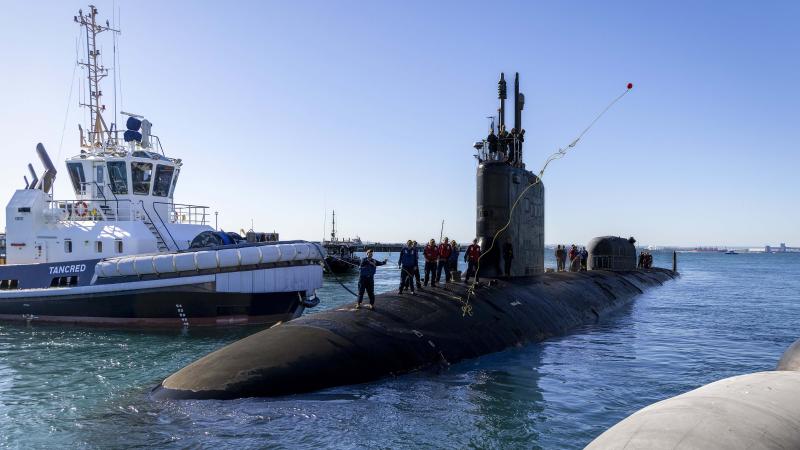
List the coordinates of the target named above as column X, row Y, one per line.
column 508, row 150
column 181, row 213
column 94, row 210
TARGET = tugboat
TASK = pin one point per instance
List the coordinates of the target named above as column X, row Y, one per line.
column 340, row 254
column 121, row 252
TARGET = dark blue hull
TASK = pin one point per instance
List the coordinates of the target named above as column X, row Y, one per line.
column 43, row 276
column 64, row 293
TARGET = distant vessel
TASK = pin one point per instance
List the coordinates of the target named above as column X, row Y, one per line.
column 340, row 254
column 120, row 253
column 731, row 252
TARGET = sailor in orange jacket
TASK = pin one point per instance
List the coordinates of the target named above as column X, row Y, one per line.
column 444, row 255
column 431, row 254
column 471, row 257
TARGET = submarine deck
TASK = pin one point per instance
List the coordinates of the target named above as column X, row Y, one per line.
column 406, row 333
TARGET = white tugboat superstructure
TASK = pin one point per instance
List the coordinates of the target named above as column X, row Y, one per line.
column 124, row 214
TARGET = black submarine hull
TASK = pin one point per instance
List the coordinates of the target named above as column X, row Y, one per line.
column 406, row 333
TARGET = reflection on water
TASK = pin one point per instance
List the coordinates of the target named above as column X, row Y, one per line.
column 728, row 314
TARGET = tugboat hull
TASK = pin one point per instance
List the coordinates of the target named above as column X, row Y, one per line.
column 164, row 307
column 234, row 285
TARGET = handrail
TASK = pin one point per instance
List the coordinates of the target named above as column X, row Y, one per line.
column 69, row 206
column 99, row 188
column 504, row 153
column 162, row 223
column 191, row 211
column 111, row 189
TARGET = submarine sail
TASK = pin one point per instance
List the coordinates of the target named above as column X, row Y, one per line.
column 502, row 181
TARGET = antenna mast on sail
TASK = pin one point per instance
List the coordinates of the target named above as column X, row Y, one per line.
column 95, row 72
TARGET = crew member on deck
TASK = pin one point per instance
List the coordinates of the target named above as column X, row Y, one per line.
column 508, row 256
column 452, row 261
column 561, row 257
column 444, row 256
column 492, row 141
column 431, row 254
column 471, row 257
column 366, row 281
column 584, row 255
column 406, row 263
column 416, row 264
column 502, row 141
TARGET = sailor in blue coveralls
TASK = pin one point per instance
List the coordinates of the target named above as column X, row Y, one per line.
column 367, row 280
column 407, row 263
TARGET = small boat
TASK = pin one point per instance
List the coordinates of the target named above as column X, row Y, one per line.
column 340, row 254
column 124, row 253
column 731, row 252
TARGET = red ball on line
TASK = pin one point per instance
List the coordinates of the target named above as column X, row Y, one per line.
column 630, row 85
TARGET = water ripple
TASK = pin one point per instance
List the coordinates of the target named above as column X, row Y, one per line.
column 87, row 388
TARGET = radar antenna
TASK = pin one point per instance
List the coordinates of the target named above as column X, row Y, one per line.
column 95, row 72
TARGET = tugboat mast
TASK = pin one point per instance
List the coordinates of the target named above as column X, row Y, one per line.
column 333, row 230
column 95, row 72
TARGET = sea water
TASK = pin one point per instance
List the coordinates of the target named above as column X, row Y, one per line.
column 74, row 387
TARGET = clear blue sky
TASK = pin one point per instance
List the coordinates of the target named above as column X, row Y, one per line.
column 282, row 110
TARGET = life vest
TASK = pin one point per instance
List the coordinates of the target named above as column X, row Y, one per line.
column 473, row 252
column 444, row 251
column 431, row 253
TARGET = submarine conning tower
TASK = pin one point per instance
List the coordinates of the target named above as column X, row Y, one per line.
column 501, row 179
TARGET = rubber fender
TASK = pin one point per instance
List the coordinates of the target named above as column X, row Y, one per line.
column 288, row 252
column 164, row 263
column 250, row 255
column 105, row 269
column 228, row 257
column 303, row 252
column 143, row 265
column 205, row 260
column 184, row 262
column 125, row 267
column 271, row 254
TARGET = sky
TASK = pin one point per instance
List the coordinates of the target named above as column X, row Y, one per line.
column 284, row 111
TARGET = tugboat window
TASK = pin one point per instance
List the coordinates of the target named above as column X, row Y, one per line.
column 118, row 176
column 163, row 180
column 175, row 181
column 142, row 174
column 76, row 175
column 67, row 245
column 98, row 246
column 119, row 246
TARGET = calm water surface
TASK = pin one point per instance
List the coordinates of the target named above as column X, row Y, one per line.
column 727, row 315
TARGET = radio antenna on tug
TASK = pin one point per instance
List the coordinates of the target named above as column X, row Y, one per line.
column 95, row 72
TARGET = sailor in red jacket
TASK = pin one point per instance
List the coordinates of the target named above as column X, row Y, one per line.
column 471, row 257
column 444, row 254
column 431, row 254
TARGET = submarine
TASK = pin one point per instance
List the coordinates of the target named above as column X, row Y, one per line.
column 442, row 325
